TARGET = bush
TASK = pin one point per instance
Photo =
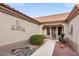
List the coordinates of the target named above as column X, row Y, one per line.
column 36, row 39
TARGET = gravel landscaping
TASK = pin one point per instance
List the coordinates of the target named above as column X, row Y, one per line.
column 26, row 51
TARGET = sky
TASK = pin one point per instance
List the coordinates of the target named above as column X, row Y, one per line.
column 42, row 9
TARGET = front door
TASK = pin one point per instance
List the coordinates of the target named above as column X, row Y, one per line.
column 53, row 32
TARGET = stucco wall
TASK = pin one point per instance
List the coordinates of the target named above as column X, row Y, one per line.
column 8, row 36
column 75, row 34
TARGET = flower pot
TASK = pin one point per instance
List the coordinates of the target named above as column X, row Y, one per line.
column 61, row 45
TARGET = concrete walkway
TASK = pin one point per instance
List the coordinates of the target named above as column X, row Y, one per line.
column 67, row 51
column 46, row 49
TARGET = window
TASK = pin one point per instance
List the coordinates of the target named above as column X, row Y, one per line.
column 71, row 30
column 59, row 30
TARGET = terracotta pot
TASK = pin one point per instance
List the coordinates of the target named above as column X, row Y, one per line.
column 61, row 45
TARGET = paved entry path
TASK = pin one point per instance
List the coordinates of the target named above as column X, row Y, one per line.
column 46, row 49
column 67, row 51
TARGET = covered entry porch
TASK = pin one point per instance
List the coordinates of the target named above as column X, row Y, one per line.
column 52, row 31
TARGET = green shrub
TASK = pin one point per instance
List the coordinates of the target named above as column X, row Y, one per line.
column 36, row 39
column 61, row 39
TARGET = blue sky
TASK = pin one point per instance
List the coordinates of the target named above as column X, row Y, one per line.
column 42, row 9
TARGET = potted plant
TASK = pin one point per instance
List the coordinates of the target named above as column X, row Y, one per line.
column 61, row 40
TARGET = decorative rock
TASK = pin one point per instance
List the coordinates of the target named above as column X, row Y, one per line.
column 26, row 51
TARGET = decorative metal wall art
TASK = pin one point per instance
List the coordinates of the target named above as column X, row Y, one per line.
column 17, row 26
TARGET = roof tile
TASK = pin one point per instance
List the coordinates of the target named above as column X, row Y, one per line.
column 51, row 18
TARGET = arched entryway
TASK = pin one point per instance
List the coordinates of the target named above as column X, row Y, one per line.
column 52, row 31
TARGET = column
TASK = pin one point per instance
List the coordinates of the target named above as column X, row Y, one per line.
column 45, row 31
column 57, row 33
column 50, row 33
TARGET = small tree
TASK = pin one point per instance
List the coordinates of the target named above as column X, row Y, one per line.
column 61, row 39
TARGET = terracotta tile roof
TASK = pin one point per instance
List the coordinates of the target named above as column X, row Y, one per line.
column 77, row 5
column 73, row 13
column 52, row 18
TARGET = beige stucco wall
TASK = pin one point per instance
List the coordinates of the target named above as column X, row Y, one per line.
column 75, row 37
column 8, row 36
column 55, row 23
column 75, row 23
